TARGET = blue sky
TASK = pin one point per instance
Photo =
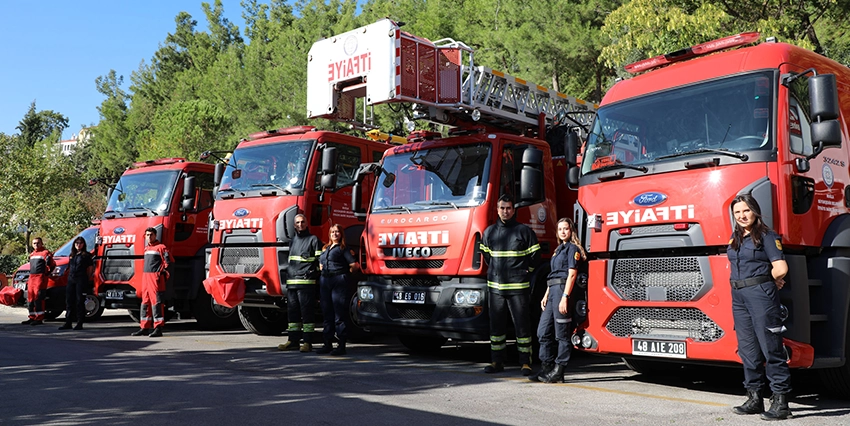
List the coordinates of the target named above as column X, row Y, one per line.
column 52, row 51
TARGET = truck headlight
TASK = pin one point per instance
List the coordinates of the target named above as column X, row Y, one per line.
column 365, row 293
column 466, row 297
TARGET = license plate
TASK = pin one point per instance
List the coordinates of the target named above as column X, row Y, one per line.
column 409, row 297
column 659, row 348
column 114, row 294
column 21, row 286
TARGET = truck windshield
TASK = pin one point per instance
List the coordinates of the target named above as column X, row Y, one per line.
column 437, row 178
column 88, row 234
column 281, row 165
column 732, row 115
column 143, row 192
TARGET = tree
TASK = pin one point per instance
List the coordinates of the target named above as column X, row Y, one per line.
column 112, row 146
column 37, row 126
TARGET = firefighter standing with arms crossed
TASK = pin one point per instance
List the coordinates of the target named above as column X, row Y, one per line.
column 154, row 276
column 41, row 264
column 511, row 252
column 303, row 269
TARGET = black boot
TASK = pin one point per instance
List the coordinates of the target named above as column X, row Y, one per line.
column 79, row 326
column 544, row 369
column 555, row 375
column 778, row 408
column 66, row 326
column 753, row 405
column 325, row 349
column 340, row 349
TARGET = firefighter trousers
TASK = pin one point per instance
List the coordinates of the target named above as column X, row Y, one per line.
column 758, row 325
column 334, row 298
column 152, row 310
column 301, row 312
column 518, row 305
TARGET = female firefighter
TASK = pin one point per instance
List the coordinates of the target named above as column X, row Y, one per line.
column 336, row 263
column 555, row 325
column 80, row 268
column 757, row 271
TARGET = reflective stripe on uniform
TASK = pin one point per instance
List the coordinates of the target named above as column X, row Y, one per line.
column 497, row 343
column 294, row 326
column 508, row 286
column 302, row 259
column 510, row 253
column 523, row 344
column 309, row 327
column 297, row 281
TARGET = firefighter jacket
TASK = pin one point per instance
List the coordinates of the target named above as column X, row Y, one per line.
column 41, row 264
column 511, row 252
column 157, row 261
column 304, row 251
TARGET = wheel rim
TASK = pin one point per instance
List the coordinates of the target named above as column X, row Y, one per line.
column 92, row 305
column 221, row 311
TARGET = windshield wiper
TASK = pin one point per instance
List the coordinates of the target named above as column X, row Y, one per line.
column 735, row 154
column 436, row 203
column 274, row 185
column 146, row 209
column 395, row 208
column 641, row 169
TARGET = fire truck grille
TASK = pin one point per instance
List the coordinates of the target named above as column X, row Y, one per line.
column 422, row 313
column 676, row 279
column 241, row 260
column 660, row 322
column 414, row 264
column 461, row 312
column 435, row 251
column 416, row 282
column 116, row 269
column 369, row 307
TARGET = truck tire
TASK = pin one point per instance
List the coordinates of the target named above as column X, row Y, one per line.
column 212, row 316
column 356, row 333
column 94, row 309
column 422, row 344
column 837, row 380
column 263, row 321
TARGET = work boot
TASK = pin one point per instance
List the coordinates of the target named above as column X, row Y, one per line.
column 66, row 326
column 778, row 408
column 27, row 322
column 544, row 368
column 37, row 322
column 306, row 347
column 157, row 332
column 288, row 346
column 525, row 370
column 340, row 349
column 753, row 405
column 325, row 349
column 79, row 326
column 141, row 332
column 494, row 367
column 555, row 375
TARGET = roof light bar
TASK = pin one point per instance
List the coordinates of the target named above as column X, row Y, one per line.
column 690, row 52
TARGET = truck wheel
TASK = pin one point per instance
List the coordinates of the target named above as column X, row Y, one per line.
column 212, row 316
column 263, row 321
column 422, row 344
column 356, row 333
column 94, row 309
column 837, row 380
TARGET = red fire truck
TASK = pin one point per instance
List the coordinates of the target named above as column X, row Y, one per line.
column 668, row 152
column 270, row 177
column 434, row 197
column 174, row 197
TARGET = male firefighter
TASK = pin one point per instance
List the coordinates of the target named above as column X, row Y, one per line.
column 511, row 252
column 154, row 276
column 41, row 264
column 303, row 269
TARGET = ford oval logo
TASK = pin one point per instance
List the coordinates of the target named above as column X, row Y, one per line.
column 648, row 199
column 241, row 212
column 118, row 230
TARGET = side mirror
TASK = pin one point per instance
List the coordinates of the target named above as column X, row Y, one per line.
column 572, row 176
column 188, row 193
column 329, row 160
column 219, row 173
column 357, row 201
column 109, row 194
column 823, row 108
column 571, row 148
column 531, row 175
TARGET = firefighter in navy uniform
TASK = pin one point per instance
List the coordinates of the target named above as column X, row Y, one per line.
column 154, row 276
column 337, row 264
column 41, row 264
column 758, row 269
column 511, row 252
column 302, row 272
